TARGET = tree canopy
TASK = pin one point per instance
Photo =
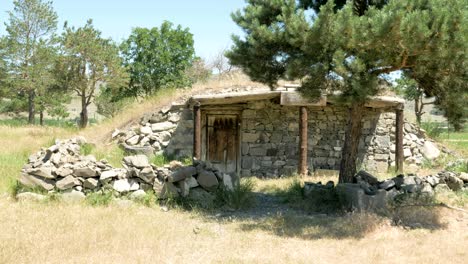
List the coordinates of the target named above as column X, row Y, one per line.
column 90, row 63
column 30, row 34
column 349, row 47
column 157, row 58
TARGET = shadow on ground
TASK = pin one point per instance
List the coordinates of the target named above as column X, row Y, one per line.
column 272, row 214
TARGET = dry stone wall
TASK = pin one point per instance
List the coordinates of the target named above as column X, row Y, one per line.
column 61, row 168
column 270, row 136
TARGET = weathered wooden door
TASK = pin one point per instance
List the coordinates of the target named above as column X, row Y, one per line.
column 222, row 144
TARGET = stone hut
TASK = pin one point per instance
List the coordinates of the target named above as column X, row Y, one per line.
column 268, row 133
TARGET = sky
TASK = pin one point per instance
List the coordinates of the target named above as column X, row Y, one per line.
column 208, row 20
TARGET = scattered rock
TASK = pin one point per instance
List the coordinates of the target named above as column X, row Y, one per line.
column 138, row 161
column 430, row 150
column 182, row 173
column 138, row 194
column 73, row 196
column 90, row 183
column 454, row 183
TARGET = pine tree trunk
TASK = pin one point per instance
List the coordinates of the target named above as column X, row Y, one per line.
column 31, row 108
column 41, row 118
column 84, row 112
column 350, row 149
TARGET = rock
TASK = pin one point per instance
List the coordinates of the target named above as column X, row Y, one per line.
column 34, row 181
column 207, row 180
column 191, row 181
column 146, row 130
column 463, row 176
column 367, row 177
column 85, row 172
column 90, row 183
column 43, row 172
column 67, row 183
column 409, row 180
column 430, row 150
column 407, row 153
column 163, row 126
column 138, row 194
column 175, row 164
column 168, row 190
column 63, row 172
column 441, row 188
column 353, row 198
column 109, row 174
column 432, row 180
column 398, row 180
column 29, row 196
column 133, row 140
column 387, row 184
column 227, row 182
column 73, row 196
column 138, row 161
column 136, row 150
column 411, row 188
column 454, row 183
column 201, row 198
column 147, row 174
column 184, row 188
column 427, row 189
column 121, row 185
column 182, row 174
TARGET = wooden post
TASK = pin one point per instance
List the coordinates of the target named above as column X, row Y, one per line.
column 399, row 140
column 197, row 131
column 303, row 141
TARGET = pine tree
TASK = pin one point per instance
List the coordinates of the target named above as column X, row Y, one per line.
column 30, row 29
column 348, row 49
column 90, row 63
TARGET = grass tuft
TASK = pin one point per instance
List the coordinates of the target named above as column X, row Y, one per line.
column 240, row 197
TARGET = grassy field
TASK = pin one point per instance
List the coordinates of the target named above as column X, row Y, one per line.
column 54, row 232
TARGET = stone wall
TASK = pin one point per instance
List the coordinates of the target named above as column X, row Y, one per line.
column 270, row 137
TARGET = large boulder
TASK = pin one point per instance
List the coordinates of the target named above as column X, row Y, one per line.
column 454, row 183
column 208, row 180
column 73, row 196
column 353, row 198
column 367, row 177
column 430, row 150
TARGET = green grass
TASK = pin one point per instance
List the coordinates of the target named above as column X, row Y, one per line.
column 10, row 169
column 23, row 121
column 161, row 160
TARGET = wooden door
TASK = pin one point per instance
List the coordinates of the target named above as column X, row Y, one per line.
column 223, row 142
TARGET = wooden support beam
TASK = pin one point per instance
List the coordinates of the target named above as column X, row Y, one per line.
column 399, row 140
column 303, row 141
column 197, row 131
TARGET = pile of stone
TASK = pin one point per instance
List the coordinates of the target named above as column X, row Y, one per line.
column 61, row 168
column 153, row 134
column 370, row 194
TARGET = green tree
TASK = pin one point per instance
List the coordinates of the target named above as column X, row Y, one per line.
column 410, row 90
column 348, row 50
column 157, row 58
column 90, row 63
column 30, row 28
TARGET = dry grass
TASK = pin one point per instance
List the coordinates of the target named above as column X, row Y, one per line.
column 58, row 233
